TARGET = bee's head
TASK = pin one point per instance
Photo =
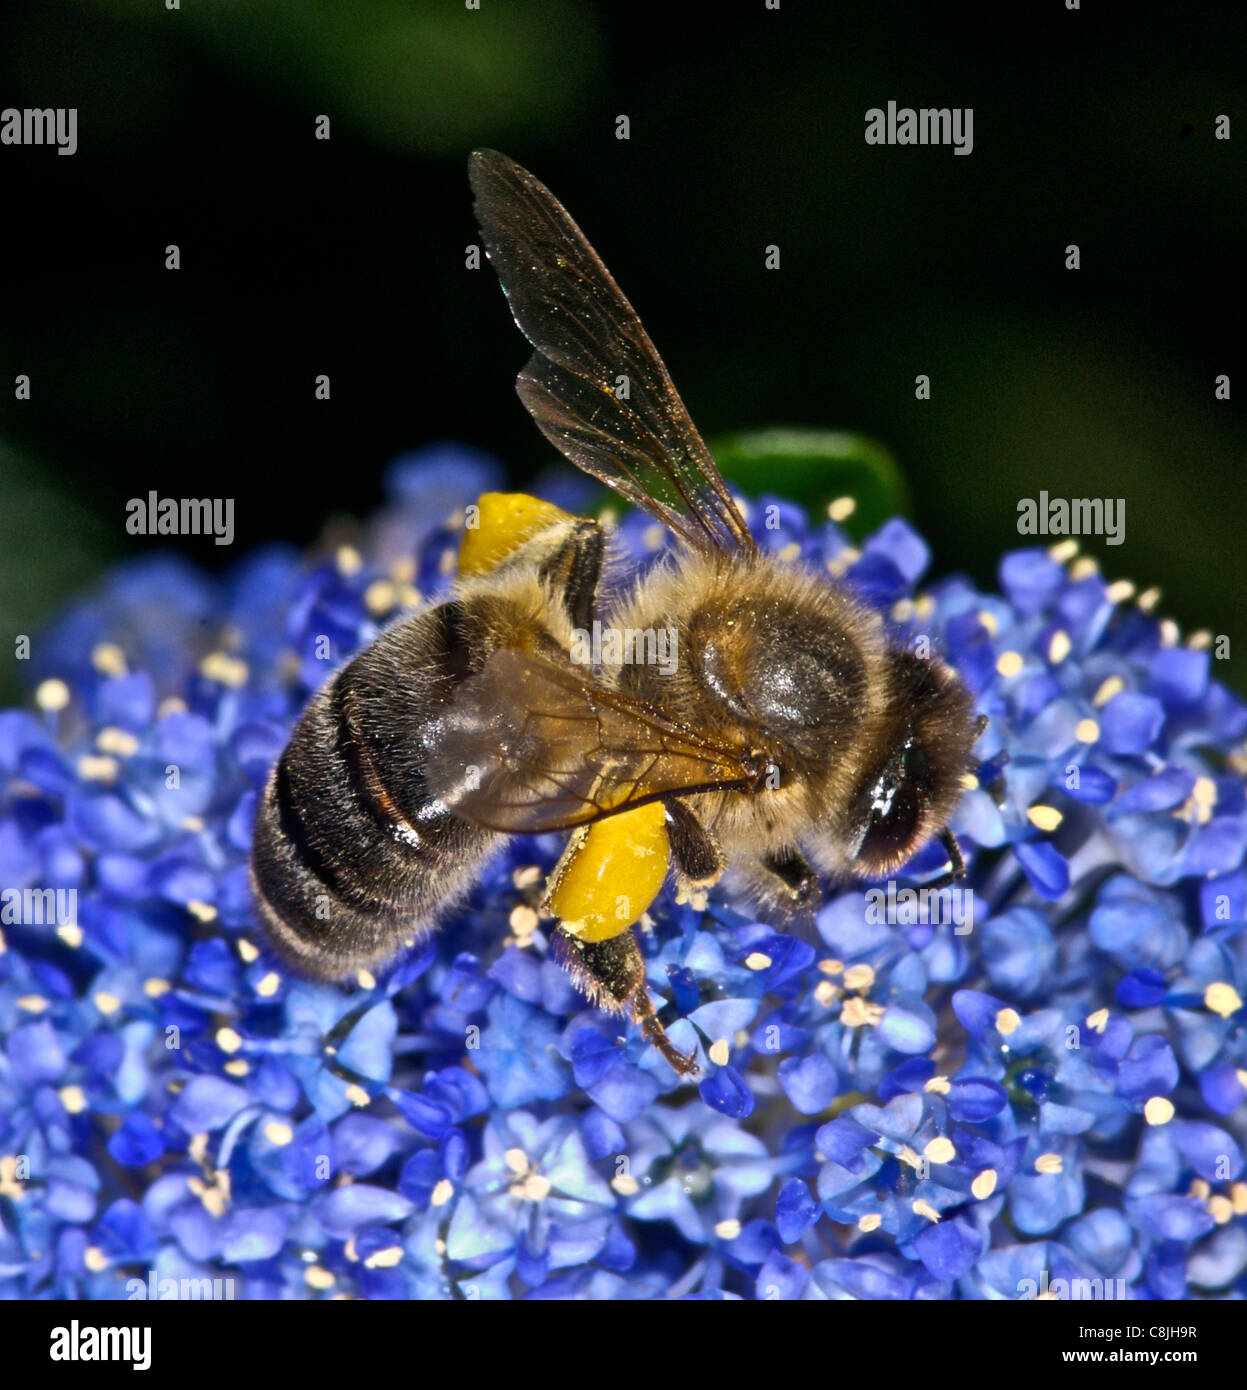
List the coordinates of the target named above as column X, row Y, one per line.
column 910, row 796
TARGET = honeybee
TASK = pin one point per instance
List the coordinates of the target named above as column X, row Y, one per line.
column 785, row 735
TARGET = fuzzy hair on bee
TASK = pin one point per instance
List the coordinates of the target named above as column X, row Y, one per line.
column 782, row 736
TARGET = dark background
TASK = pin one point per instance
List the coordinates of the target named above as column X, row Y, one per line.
column 346, row 257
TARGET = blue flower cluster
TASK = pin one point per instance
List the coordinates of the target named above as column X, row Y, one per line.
column 1052, row 1089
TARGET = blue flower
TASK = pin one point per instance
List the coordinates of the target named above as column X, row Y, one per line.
column 1040, row 1084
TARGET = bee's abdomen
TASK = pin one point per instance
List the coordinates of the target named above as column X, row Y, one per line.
column 351, row 857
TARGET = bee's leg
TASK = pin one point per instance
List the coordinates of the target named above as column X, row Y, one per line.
column 694, row 850
column 574, row 569
column 957, row 869
column 611, row 974
column 798, row 881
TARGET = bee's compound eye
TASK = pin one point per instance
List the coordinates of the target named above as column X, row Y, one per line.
column 894, row 815
column 894, row 808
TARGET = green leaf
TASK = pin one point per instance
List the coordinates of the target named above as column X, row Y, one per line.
column 817, row 467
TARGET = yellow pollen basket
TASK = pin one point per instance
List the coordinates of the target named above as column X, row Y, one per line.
column 504, row 521
column 611, row 872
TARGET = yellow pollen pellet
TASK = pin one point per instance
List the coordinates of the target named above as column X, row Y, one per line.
column 984, row 1184
column 1169, row 633
column 870, row 1222
column 276, row 1132
column 1008, row 664
column 988, row 619
column 1008, row 1021
column 357, row 1095
column 442, row 1193
column 317, row 1277
column 32, row 1003
column 938, row 1086
column 201, row 911
column 720, row 1051
column 269, row 985
column 95, row 1259
column 70, row 934
column 366, row 979
column 385, row 1259
column 1201, row 1188
column 941, row 1150
column 652, row 537
column 1063, row 551
column 924, row 1208
column 1222, row 999
column 831, row 967
column 789, row 553
column 1045, row 818
column 1148, row 599
column 1083, row 568
column 1238, row 1196
column 228, row 1040
column 841, row 508
column 516, row 1160
column 1098, row 1021
column 52, row 695
column 237, row 1066
column 1049, row 1163
column 1120, row 591
column 1158, row 1111
column 249, row 953
column 727, row 1230
column 155, row 987
column 908, row 1155
column 105, row 1002
column 1087, row 731
column 625, row 1185
column 757, row 960
column 1059, row 647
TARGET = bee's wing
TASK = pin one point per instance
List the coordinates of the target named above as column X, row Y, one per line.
column 587, row 336
column 527, row 746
